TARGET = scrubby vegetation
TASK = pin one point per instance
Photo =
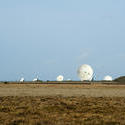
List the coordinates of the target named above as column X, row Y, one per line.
column 120, row 79
column 62, row 111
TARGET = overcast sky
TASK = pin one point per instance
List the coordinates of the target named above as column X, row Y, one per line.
column 53, row 37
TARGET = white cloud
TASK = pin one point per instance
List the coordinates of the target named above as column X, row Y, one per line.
column 122, row 56
column 50, row 62
column 83, row 56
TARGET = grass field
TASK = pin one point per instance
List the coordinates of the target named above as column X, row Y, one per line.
column 62, row 111
column 66, row 90
column 36, row 104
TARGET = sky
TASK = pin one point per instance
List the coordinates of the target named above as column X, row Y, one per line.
column 51, row 37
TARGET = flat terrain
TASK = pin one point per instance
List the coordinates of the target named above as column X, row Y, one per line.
column 62, row 110
column 66, row 90
column 58, row 104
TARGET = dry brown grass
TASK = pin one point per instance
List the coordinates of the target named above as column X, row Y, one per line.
column 94, row 90
column 62, row 110
column 37, row 104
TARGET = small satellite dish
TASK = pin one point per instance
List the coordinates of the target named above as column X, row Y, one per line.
column 85, row 72
column 60, row 78
column 68, row 79
column 22, row 80
column 36, row 79
column 107, row 78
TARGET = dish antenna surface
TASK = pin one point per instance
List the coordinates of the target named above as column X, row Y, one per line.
column 108, row 78
column 68, row 79
column 35, row 79
column 60, row 78
column 22, row 80
column 85, row 72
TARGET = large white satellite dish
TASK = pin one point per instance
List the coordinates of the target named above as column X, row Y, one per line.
column 22, row 80
column 85, row 72
column 60, row 78
column 108, row 78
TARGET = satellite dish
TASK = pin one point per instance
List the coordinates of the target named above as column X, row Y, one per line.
column 60, row 78
column 85, row 72
column 22, row 80
column 68, row 79
column 108, row 78
column 36, row 79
